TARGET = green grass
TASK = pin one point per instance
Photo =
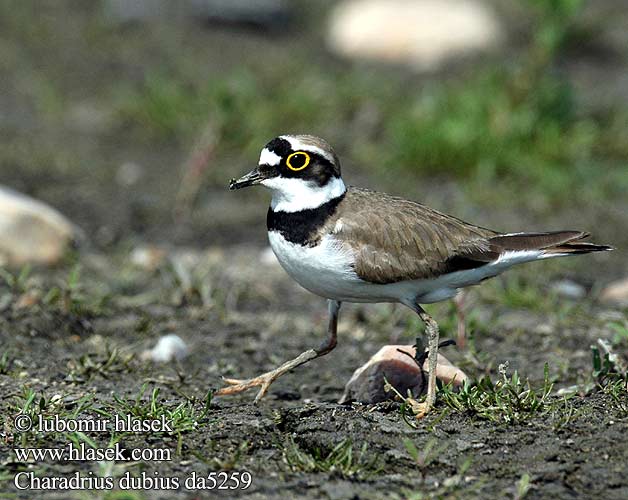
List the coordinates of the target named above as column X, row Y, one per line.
column 518, row 123
column 73, row 296
column 223, row 459
column 610, row 379
column 519, row 290
column 484, row 128
column 620, row 329
column 183, row 417
column 523, row 486
column 617, row 389
column 425, row 457
column 16, row 282
column 35, row 403
column 67, row 291
column 343, row 459
column 481, row 127
column 106, row 364
column 5, row 363
column 509, row 400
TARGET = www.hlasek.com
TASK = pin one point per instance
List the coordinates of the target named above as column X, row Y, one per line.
column 85, row 452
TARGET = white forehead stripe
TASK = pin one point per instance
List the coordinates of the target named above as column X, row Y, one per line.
column 267, row 157
column 297, row 145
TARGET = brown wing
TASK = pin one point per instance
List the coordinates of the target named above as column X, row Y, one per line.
column 396, row 240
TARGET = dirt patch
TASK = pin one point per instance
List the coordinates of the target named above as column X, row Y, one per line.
column 89, row 363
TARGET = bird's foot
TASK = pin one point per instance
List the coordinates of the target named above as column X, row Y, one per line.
column 235, row 386
column 265, row 379
column 420, row 410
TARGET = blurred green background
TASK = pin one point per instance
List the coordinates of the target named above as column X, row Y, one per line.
column 130, row 117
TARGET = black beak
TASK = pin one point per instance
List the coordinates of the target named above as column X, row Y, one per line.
column 250, row 179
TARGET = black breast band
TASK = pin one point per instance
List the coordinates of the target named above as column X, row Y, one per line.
column 302, row 227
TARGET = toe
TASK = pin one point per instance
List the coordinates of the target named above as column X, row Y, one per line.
column 421, row 410
column 233, row 381
column 224, row 391
column 264, row 389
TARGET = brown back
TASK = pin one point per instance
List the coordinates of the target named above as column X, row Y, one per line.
column 397, row 240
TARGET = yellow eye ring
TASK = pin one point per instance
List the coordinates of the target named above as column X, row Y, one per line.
column 305, row 163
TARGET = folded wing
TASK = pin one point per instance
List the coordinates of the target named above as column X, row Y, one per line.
column 397, row 240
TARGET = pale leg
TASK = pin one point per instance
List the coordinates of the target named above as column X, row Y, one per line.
column 431, row 328
column 459, row 302
column 266, row 379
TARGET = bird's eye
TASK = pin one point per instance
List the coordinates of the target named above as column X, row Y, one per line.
column 298, row 161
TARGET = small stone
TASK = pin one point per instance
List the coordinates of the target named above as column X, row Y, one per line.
column 31, row 231
column 569, row 289
column 544, row 329
column 148, row 257
column 168, row 348
column 424, row 34
column 28, row 299
column 266, row 14
column 96, row 341
column 462, row 445
column 129, row 174
column 616, row 292
column 5, row 301
column 367, row 383
column 267, row 257
column 517, row 319
column 89, row 117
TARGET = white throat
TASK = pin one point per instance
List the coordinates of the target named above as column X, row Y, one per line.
column 294, row 195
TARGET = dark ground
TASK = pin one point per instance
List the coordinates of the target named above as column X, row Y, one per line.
column 72, row 336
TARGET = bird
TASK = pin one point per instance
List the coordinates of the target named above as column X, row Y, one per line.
column 348, row 244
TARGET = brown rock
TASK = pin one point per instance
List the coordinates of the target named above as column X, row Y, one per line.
column 423, row 34
column 31, row 231
column 616, row 292
column 367, row 383
column 148, row 257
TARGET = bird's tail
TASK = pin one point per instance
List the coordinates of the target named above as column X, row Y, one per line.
column 551, row 243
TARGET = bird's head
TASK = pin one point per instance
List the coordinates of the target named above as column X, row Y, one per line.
column 301, row 170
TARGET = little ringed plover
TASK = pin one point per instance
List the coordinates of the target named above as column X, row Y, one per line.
column 355, row 245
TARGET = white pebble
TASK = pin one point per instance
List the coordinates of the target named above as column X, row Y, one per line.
column 168, row 348
column 424, row 34
column 569, row 289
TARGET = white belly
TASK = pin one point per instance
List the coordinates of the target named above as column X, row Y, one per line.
column 326, row 270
